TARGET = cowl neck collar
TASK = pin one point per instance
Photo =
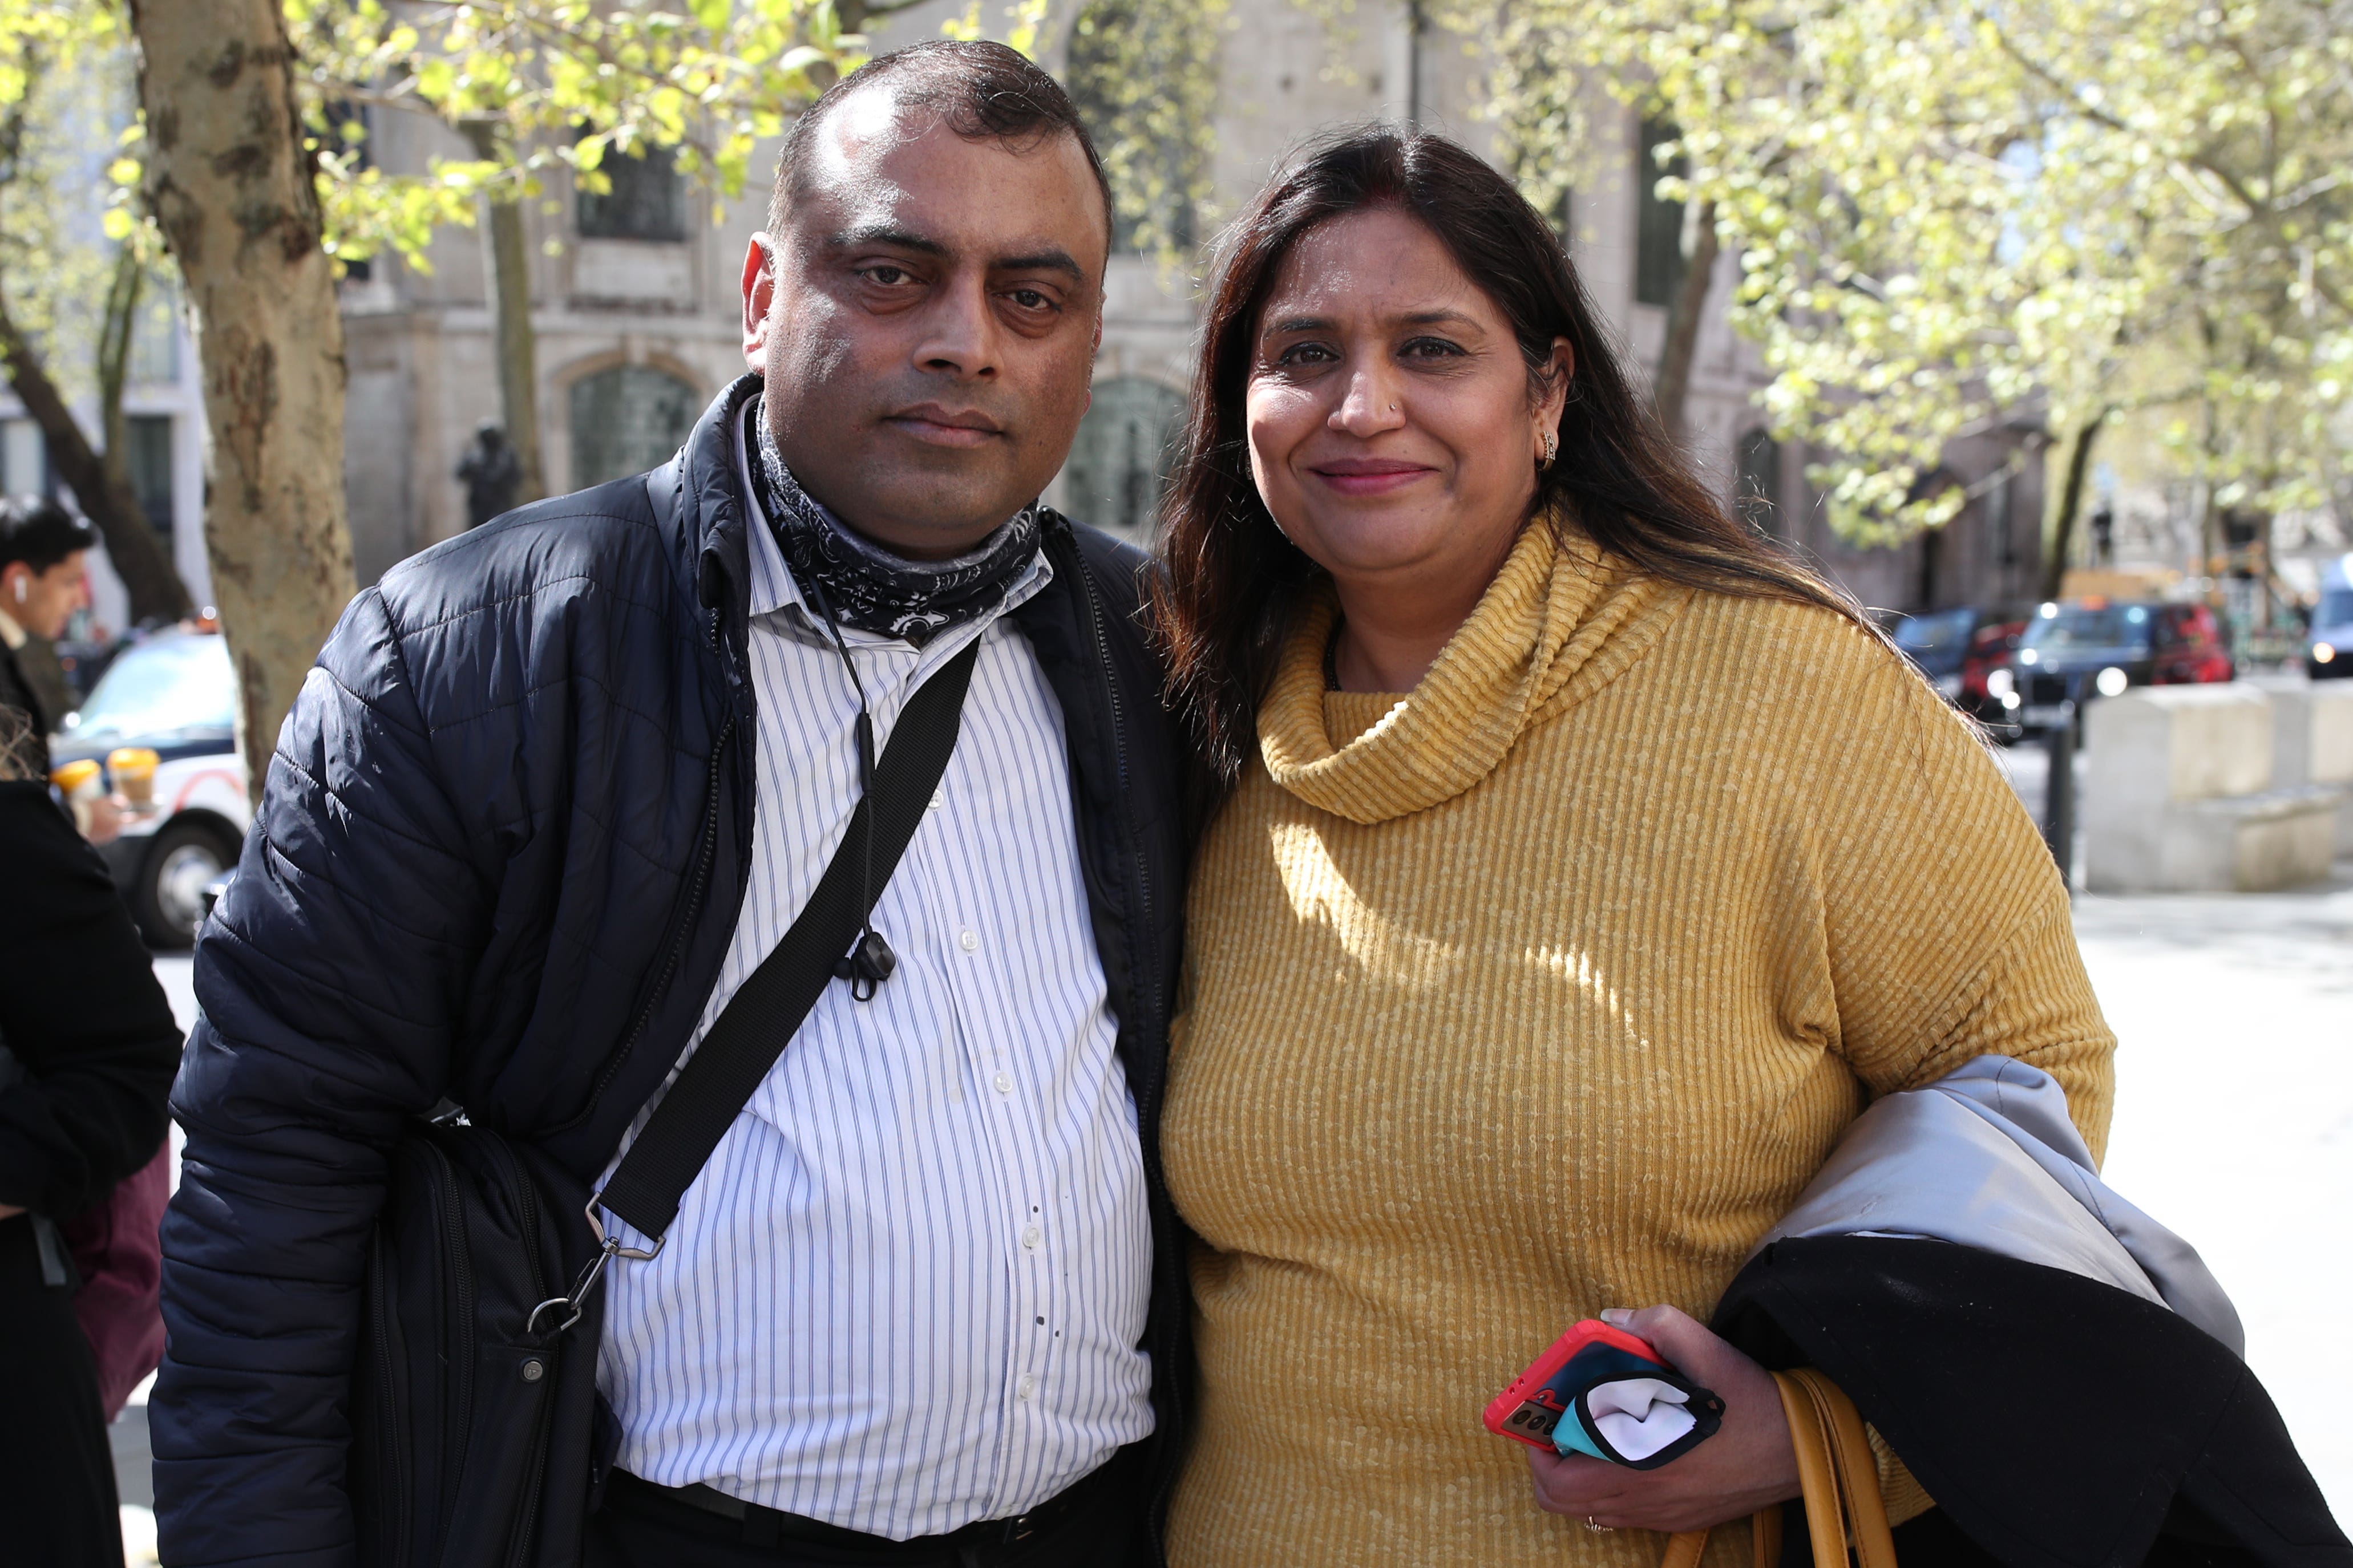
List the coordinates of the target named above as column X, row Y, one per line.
column 1560, row 621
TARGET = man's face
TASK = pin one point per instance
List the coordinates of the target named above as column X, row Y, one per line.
column 41, row 602
column 926, row 325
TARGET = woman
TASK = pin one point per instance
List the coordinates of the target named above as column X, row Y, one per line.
column 90, row 1049
column 1582, row 867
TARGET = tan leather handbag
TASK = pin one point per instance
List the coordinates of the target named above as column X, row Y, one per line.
column 1839, row 1476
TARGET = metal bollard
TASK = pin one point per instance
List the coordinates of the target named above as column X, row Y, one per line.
column 2059, row 795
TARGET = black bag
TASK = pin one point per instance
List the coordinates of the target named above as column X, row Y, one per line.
column 474, row 1407
column 470, row 1424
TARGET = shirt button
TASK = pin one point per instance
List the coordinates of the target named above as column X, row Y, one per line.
column 1005, row 1083
column 1030, row 1238
column 968, row 940
column 1026, row 1387
column 939, row 797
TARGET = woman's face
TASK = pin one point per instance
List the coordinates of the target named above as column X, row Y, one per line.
column 1390, row 426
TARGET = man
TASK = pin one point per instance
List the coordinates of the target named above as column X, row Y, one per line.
column 556, row 789
column 42, row 583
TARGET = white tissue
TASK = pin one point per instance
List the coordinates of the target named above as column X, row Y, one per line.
column 1640, row 1416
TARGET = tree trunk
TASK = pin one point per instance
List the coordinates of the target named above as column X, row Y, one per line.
column 2070, row 503
column 114, row 335
column 131, row 546
column 508, row 260
column 1671, row 391
column 232, row 185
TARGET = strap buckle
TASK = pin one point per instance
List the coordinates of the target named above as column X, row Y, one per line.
column 575, row 1301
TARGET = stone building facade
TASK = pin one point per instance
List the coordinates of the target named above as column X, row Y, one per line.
column 636, row 308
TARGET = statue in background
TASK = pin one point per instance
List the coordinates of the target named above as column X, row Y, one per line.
column 490, row 472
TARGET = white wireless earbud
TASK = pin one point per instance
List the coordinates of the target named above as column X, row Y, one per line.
column 20, row 590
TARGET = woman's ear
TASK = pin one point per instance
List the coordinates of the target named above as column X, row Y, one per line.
column 1559, row 371
column 1553, row 400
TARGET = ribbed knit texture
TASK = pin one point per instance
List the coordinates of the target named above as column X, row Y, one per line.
column 1546, row 989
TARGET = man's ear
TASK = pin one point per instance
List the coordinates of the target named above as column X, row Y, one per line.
column 759, row 298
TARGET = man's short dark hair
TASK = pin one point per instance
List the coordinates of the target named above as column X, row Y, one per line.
column 40, row 533
column 980, row 89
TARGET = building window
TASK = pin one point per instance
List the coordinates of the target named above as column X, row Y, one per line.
column 147, row 454
column 626, row 420
column 1143, row 74
column 1758, row 495
column 24, row 458
column 156, row 337
column 1658, row 223
column 1997, row 516
column 347, row 138
column 646, row 201
column 1121, row 456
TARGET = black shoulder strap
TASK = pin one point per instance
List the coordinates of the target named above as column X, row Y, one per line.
column 765, row 1012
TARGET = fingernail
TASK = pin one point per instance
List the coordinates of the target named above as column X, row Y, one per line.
column 1617, row 1317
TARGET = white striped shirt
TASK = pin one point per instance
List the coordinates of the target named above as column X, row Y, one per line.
column 908, row 1290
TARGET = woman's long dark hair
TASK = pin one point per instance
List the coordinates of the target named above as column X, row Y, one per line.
column 1233, row 580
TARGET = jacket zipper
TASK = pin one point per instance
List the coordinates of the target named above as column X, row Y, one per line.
column 396, row 1412
column 458, row 1410
column 1147, row 1115
column 526, row 1526
column 1119, row 749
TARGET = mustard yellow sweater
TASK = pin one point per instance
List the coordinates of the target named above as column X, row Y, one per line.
column 1545, row 989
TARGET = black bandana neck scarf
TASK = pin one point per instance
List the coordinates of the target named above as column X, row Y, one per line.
column 868, row 587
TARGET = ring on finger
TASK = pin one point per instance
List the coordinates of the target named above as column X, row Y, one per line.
column 1599, row 1529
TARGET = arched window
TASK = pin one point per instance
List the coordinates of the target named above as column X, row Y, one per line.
column 1758, row 495
column 626, row 420
column 1121, row 455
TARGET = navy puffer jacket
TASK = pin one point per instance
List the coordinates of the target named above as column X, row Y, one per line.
column 499, row 858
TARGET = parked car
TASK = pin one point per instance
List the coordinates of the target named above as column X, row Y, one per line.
column 1958, row 650
column 2328, row 647
column 2077, row 650
column 174, row 694
column 1988, row 674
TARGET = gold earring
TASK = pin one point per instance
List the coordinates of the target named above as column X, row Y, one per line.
column 1551, row 449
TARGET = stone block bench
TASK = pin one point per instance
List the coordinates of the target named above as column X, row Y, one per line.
column 2181, row 795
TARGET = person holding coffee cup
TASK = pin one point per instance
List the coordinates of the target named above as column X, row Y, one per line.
column 42, row 583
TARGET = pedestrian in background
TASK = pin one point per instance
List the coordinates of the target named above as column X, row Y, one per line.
column 543, row 826
column 42, row 583
column 88, row 1046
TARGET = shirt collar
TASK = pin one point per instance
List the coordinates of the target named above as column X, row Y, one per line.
column 775, row 590
column 11, row 633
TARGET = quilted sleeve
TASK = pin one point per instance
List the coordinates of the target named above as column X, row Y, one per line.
column 329, row 979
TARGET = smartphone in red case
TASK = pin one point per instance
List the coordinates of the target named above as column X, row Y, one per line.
column 1571, row 1382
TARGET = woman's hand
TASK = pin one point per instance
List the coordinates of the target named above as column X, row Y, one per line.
column 1747, row 1465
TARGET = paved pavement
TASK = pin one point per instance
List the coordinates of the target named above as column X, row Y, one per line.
column 2234, row 1121
column 134, row 1463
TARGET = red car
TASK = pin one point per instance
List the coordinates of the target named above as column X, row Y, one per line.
column 1958, row 648
column 2084, row 648
column 1991, row 648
